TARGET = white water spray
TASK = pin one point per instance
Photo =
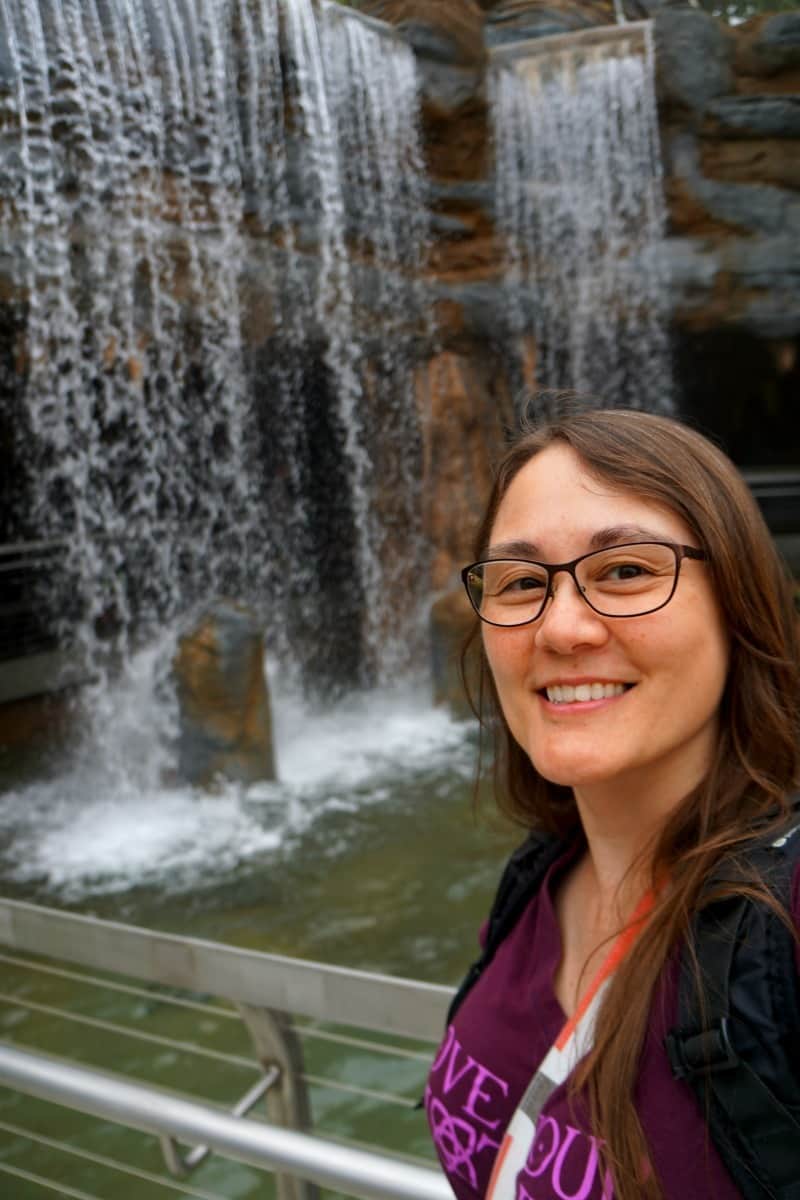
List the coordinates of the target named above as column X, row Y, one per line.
column 171, row 161
column 579, row 199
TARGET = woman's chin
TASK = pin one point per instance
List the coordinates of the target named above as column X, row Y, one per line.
column 573, row 770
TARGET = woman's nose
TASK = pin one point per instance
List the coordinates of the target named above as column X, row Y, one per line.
column 568, row 621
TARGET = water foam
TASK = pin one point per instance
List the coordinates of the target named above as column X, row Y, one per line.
column 106, row 826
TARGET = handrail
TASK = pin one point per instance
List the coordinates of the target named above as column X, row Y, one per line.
column 310, row 1030
column 338, row 995
column 154, row 1110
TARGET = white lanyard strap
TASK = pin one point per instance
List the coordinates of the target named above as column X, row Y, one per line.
column 572, row 1044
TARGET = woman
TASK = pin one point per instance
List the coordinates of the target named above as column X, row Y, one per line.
column 640, row 655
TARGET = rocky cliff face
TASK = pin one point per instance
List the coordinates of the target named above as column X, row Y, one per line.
column 729, row 108
column 729, row 111
column 730, row 121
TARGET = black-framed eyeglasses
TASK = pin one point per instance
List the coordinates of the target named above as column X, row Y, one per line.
column 630, row 580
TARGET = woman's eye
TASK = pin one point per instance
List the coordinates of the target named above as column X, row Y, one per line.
column 525, row 583
column 622, row 571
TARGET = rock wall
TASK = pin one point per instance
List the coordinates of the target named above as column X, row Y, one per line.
column 729, row 110
column 729, row 102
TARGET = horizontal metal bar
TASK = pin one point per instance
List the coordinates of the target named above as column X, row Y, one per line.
column 140, row 1035
column 126, row 989
column 356, row 1043
column 757, row 476
column 598, row 35
column 355, row 1089
column 153, row 1110
column 212, row 1010
column 333, row 994
column 113, row 1164
column 231, row 1060
column 52, row 1185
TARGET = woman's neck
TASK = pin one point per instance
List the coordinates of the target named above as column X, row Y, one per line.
column 621, row 833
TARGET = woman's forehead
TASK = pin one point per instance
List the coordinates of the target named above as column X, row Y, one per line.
column 555, row 496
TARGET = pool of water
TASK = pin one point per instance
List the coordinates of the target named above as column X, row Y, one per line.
column 368, row 852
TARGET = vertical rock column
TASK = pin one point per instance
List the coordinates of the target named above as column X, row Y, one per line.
column 226, row 725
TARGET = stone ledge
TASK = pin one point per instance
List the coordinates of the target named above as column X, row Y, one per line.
column 758, row 116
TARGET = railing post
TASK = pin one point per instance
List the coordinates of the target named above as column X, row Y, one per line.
column 277, row 1045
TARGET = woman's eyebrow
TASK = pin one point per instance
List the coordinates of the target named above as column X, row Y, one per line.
column 613, row 535
column 513, row 550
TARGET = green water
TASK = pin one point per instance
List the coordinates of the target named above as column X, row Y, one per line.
column 395, row 879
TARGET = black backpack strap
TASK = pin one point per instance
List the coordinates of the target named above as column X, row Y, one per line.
column 521, row 879
column 737, row 1043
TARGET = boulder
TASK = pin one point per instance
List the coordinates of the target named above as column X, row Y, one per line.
column 769, row 44
column 225, row 720
column 694, row 57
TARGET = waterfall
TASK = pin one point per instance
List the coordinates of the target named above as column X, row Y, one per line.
column 212, row 218
column 578, row 192
column 373, row 96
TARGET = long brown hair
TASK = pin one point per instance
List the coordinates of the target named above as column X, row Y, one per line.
column 757, row 760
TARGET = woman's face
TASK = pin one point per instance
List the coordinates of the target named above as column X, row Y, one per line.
column 660, row 732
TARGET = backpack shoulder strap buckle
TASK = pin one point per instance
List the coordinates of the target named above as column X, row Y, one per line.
column 700, row 1052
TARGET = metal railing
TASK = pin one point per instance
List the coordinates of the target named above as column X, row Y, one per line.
column 357, row 1172
column 289, row 1007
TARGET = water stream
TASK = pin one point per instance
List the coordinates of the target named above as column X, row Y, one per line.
column 201, row 395
column 578, row 188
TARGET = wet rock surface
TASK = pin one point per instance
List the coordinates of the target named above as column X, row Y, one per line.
column 226, row 726
column 730, row 122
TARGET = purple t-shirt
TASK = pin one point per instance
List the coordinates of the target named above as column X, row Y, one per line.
column 497, row 1039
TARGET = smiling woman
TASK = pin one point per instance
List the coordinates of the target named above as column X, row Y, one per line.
column 640, row 660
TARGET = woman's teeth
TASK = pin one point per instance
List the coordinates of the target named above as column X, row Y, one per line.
column 564, row 693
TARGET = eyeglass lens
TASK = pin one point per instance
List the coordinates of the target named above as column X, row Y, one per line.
column 623, row 581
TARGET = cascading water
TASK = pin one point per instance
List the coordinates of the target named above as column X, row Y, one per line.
column 197, row 401
column 373, row 98
column 579, row 200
